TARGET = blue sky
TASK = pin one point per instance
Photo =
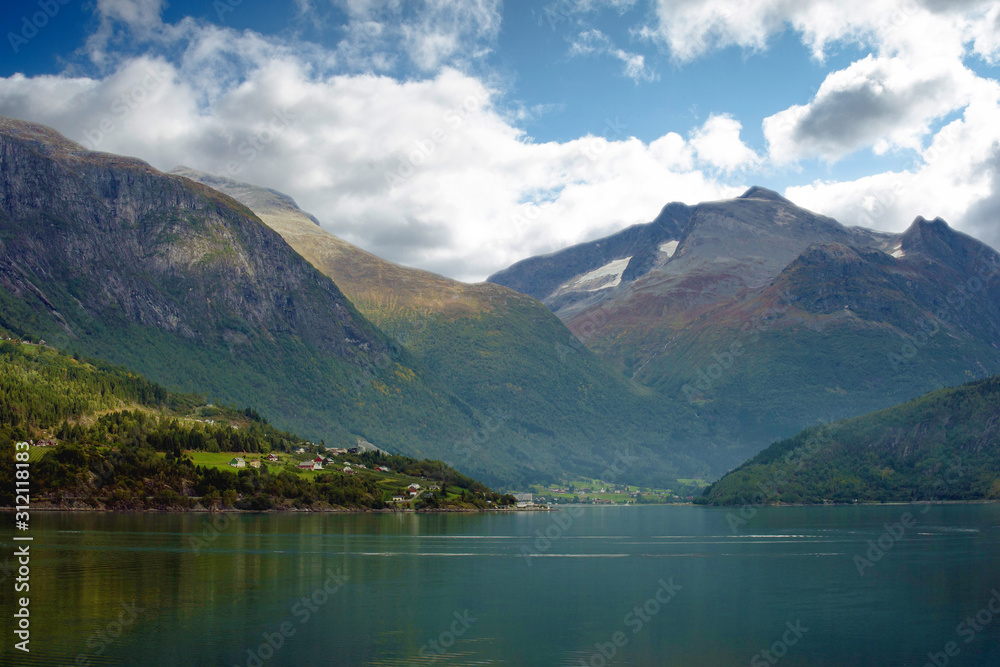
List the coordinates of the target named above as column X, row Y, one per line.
column 462, row 135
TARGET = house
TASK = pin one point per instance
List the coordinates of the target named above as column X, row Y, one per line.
column 255, row 463
column 336, row 451
column 238, row 462
column 300, row 450
column 348, row 470
column 272, row 457
column 413, row 487
column 382, row 469
column 310, row 465
column 524, row 499
column 361, row 465
column 318, row 459
column 398, row 497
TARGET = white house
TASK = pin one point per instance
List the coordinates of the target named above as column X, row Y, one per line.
column 524, row 499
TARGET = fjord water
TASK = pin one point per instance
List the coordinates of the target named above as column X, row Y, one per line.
column 139, row 589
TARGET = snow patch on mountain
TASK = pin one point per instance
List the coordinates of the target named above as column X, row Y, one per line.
column 669, row 248
column 609, row 275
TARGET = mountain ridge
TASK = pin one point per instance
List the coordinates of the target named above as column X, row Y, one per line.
column 767, row 317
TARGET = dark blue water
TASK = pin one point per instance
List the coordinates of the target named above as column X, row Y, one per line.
column 616, row 586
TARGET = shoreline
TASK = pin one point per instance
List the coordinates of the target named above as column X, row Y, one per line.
column 466, row 510
column 332, row 510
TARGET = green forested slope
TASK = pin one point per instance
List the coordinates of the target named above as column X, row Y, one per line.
column 945, row 445
column 121, row 443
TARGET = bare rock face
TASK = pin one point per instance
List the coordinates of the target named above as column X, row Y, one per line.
column 128, row 242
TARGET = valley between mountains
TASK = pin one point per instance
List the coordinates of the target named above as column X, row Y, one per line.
column 684, row 346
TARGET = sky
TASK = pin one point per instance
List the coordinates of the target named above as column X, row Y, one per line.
column 460, row 136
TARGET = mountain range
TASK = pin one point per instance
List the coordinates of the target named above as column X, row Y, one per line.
column 768, row 318
column 674, row 349
column 107, row 257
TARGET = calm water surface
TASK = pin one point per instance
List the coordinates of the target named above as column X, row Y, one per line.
column 645, row 585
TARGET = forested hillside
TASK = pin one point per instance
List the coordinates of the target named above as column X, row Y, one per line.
column 942, row 446
column 115, row 440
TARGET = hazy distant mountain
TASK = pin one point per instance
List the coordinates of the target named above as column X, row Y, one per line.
column 767, row 317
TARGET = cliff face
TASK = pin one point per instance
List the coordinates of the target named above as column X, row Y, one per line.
column 128, row 242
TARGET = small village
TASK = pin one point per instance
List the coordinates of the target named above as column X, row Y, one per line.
column 400, row 489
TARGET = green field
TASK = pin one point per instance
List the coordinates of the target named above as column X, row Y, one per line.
column 567, row 490
column 389, row 482
column 36, row 453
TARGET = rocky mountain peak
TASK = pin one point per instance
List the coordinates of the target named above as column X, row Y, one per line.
column 758, row 192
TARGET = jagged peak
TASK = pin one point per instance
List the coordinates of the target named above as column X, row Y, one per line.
column 921, row 221
column 758, row 192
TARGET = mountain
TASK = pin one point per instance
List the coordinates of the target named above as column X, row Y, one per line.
column 768, row 318
column 942, row 446
column 498, row 350
column 108, row 257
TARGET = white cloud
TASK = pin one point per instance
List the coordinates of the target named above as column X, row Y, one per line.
column 717, row 144
column 120, row 18
column 595, row 42
column 434, row 170
column 429, row 172
column 888, row 103
column 690, row 28
column 955, row 178
column 431, row 33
